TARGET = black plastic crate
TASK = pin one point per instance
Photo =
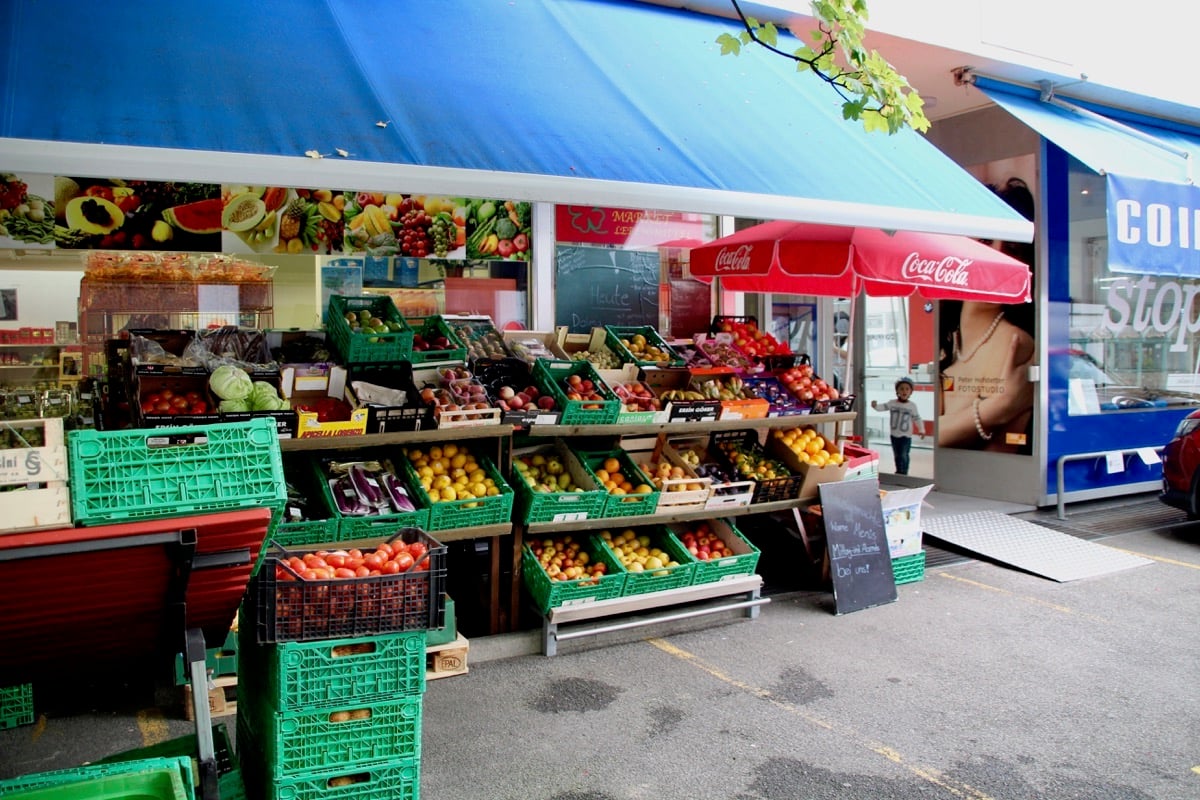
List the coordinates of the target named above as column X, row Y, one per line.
column 288, row 608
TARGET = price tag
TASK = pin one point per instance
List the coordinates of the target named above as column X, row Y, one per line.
column 572, row 516
column 1115, row 462
column 1148, row 456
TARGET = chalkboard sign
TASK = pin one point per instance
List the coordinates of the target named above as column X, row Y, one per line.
column 597, row 286
column 860, row 563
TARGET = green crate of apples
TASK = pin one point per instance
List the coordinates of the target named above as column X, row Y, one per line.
column 368, row 330
column 552, row 486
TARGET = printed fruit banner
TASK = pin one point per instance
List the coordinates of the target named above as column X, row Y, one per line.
column 115, row 214
column 415, row 226
column 124, row 214
column 276, row 219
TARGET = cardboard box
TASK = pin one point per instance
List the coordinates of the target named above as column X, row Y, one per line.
column 666, row 380
column 413, row 414
column 532, row 345
column 333, row 384
column 811, row 476
column 149, row 388
column 611, row 369
column 902, row 519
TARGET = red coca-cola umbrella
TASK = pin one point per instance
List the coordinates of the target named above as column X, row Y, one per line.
column 838, row 261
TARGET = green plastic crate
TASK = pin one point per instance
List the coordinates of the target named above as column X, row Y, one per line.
column 666, row 578
column 16, row 706
column 349, row 528
column 289, row 676
column 909, row 569
column 720, row 569
column 400, row 780
column 548, row 594
column 615, row 333
column 131, row 475
column 472, row 512
column 534, row 506
column 548, row 377
column 229, row 777
column 218, row 661
column 625, row 505
column 445, row 634
column 166, row 778
column 429, row 327
column 363, row 348
column 304, row 532
column 349, row 737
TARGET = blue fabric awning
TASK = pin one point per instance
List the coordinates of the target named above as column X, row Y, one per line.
column 604, row 102
column 1153, row 204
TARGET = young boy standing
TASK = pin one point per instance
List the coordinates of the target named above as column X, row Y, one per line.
column 904, row 421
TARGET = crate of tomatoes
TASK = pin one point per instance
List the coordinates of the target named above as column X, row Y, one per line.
column 348, row 589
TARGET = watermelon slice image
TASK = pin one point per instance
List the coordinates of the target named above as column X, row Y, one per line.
column 200, row 217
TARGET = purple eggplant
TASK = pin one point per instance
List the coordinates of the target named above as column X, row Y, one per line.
column 367, row 487
column 346, row 498
column 396, row 493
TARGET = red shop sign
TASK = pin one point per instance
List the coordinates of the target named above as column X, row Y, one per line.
column 630, row 227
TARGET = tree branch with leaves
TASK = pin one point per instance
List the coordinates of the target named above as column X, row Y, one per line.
column 871, row 90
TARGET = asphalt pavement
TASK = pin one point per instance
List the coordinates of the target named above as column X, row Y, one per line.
column 980, row 682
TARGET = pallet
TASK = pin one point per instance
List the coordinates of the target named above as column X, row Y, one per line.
column 222, row 698
column 447, row 660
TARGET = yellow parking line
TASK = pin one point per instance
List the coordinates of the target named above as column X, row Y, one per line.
column 1159, row 559
column 152, row 726
column 1037, row 601
column 928, row 774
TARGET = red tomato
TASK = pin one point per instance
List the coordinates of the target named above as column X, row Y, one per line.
column 313, row 560
column 361, row 572
column 404, row 561
column 148, row 408
column 373, row 561
column 384, row 547
column 179, row 401
column 309, row 575
column 416, row 550
column 162, row 407
column 335, row 561
column 390, row 568
column 166, row 394
column 354, row 552
column 297, row 564
column 342, row 572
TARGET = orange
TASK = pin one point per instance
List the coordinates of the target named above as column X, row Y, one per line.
column 612, row 465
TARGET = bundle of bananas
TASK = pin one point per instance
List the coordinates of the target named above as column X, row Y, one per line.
column 732, row 389
column 680, row 395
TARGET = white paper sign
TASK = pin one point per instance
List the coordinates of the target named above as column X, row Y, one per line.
column 1149, row 456
column 1115, row 462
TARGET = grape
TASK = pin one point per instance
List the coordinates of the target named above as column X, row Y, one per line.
column 442, row 231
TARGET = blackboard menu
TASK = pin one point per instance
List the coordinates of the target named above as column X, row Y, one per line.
column 597, row 286
column 860, row 562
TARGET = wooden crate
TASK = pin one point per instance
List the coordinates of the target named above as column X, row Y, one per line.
column 45, row 467
column 222, row 698
column 446, row 660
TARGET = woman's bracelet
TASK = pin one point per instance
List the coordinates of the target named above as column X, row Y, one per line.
column 985, row 435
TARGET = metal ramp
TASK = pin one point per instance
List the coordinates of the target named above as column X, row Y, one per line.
column 1029, row 546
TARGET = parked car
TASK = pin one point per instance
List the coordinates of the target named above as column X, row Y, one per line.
column 1181, row 467
column 1113, row 394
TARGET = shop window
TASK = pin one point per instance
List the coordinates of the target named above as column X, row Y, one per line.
column 622, row 266
column 1131, row 343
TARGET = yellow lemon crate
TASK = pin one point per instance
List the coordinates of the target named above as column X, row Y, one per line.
column 459, row 489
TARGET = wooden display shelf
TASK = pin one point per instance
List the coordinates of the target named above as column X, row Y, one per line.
column 398, row 437
column 536, row 528
column 650, row 428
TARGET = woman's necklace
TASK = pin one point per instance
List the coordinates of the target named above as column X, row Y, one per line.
column 959, row 357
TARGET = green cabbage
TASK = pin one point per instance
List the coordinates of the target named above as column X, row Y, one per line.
column 263, row 397
column 228, row 406
column 230, row 383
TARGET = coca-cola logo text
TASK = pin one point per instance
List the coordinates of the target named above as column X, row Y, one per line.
column 945, row 271
column 734, row 260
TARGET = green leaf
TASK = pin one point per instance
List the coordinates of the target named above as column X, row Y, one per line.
column 729, row 45
column 769, row 35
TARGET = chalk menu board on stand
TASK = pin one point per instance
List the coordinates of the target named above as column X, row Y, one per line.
column 597, row 286
column 860, row 563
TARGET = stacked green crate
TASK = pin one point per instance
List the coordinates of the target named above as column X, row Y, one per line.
column 334, row 717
